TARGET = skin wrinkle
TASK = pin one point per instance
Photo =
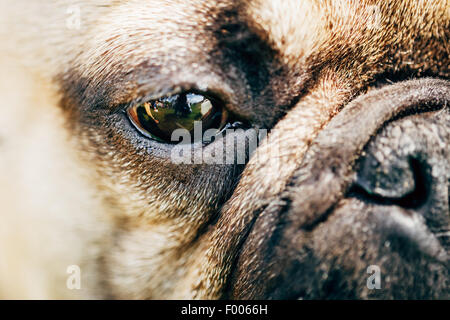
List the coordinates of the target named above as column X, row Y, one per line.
column 322, row 174
column 421, row 97
column 175, row 231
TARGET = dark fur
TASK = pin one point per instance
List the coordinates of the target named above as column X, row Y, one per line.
column 335, row 92
column 316, row 210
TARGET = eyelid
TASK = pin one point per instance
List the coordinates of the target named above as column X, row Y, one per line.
column 212, row 86
column 211, row 95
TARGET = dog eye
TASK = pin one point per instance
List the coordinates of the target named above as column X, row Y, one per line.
column 157, row 119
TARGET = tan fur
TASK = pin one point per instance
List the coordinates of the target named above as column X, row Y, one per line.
column 135, row 225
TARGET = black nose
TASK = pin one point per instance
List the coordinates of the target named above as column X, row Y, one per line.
column 407, row 166
column 373, row 189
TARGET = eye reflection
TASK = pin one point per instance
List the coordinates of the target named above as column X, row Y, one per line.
column 159, row 118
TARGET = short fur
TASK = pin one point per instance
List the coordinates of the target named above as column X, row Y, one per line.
column 81, row 186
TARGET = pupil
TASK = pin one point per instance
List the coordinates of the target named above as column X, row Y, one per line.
column 181, row 106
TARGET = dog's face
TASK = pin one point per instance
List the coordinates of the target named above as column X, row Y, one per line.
column 354, row 172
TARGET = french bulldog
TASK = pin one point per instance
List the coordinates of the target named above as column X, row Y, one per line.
column 109, row 168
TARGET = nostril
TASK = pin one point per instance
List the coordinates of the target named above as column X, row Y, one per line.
column 392, row 180
column 399, row 181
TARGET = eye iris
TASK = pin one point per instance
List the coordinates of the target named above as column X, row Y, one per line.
column 159, row 118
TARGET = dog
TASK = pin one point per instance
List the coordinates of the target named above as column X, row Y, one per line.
column 350, row 184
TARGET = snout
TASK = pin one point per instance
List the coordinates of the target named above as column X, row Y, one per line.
column 366, row 213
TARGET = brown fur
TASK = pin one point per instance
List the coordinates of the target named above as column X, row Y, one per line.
column 100, row 196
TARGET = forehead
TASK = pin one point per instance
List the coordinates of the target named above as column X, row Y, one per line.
column 147, row 40
column 127, row 31
column 174, row 22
